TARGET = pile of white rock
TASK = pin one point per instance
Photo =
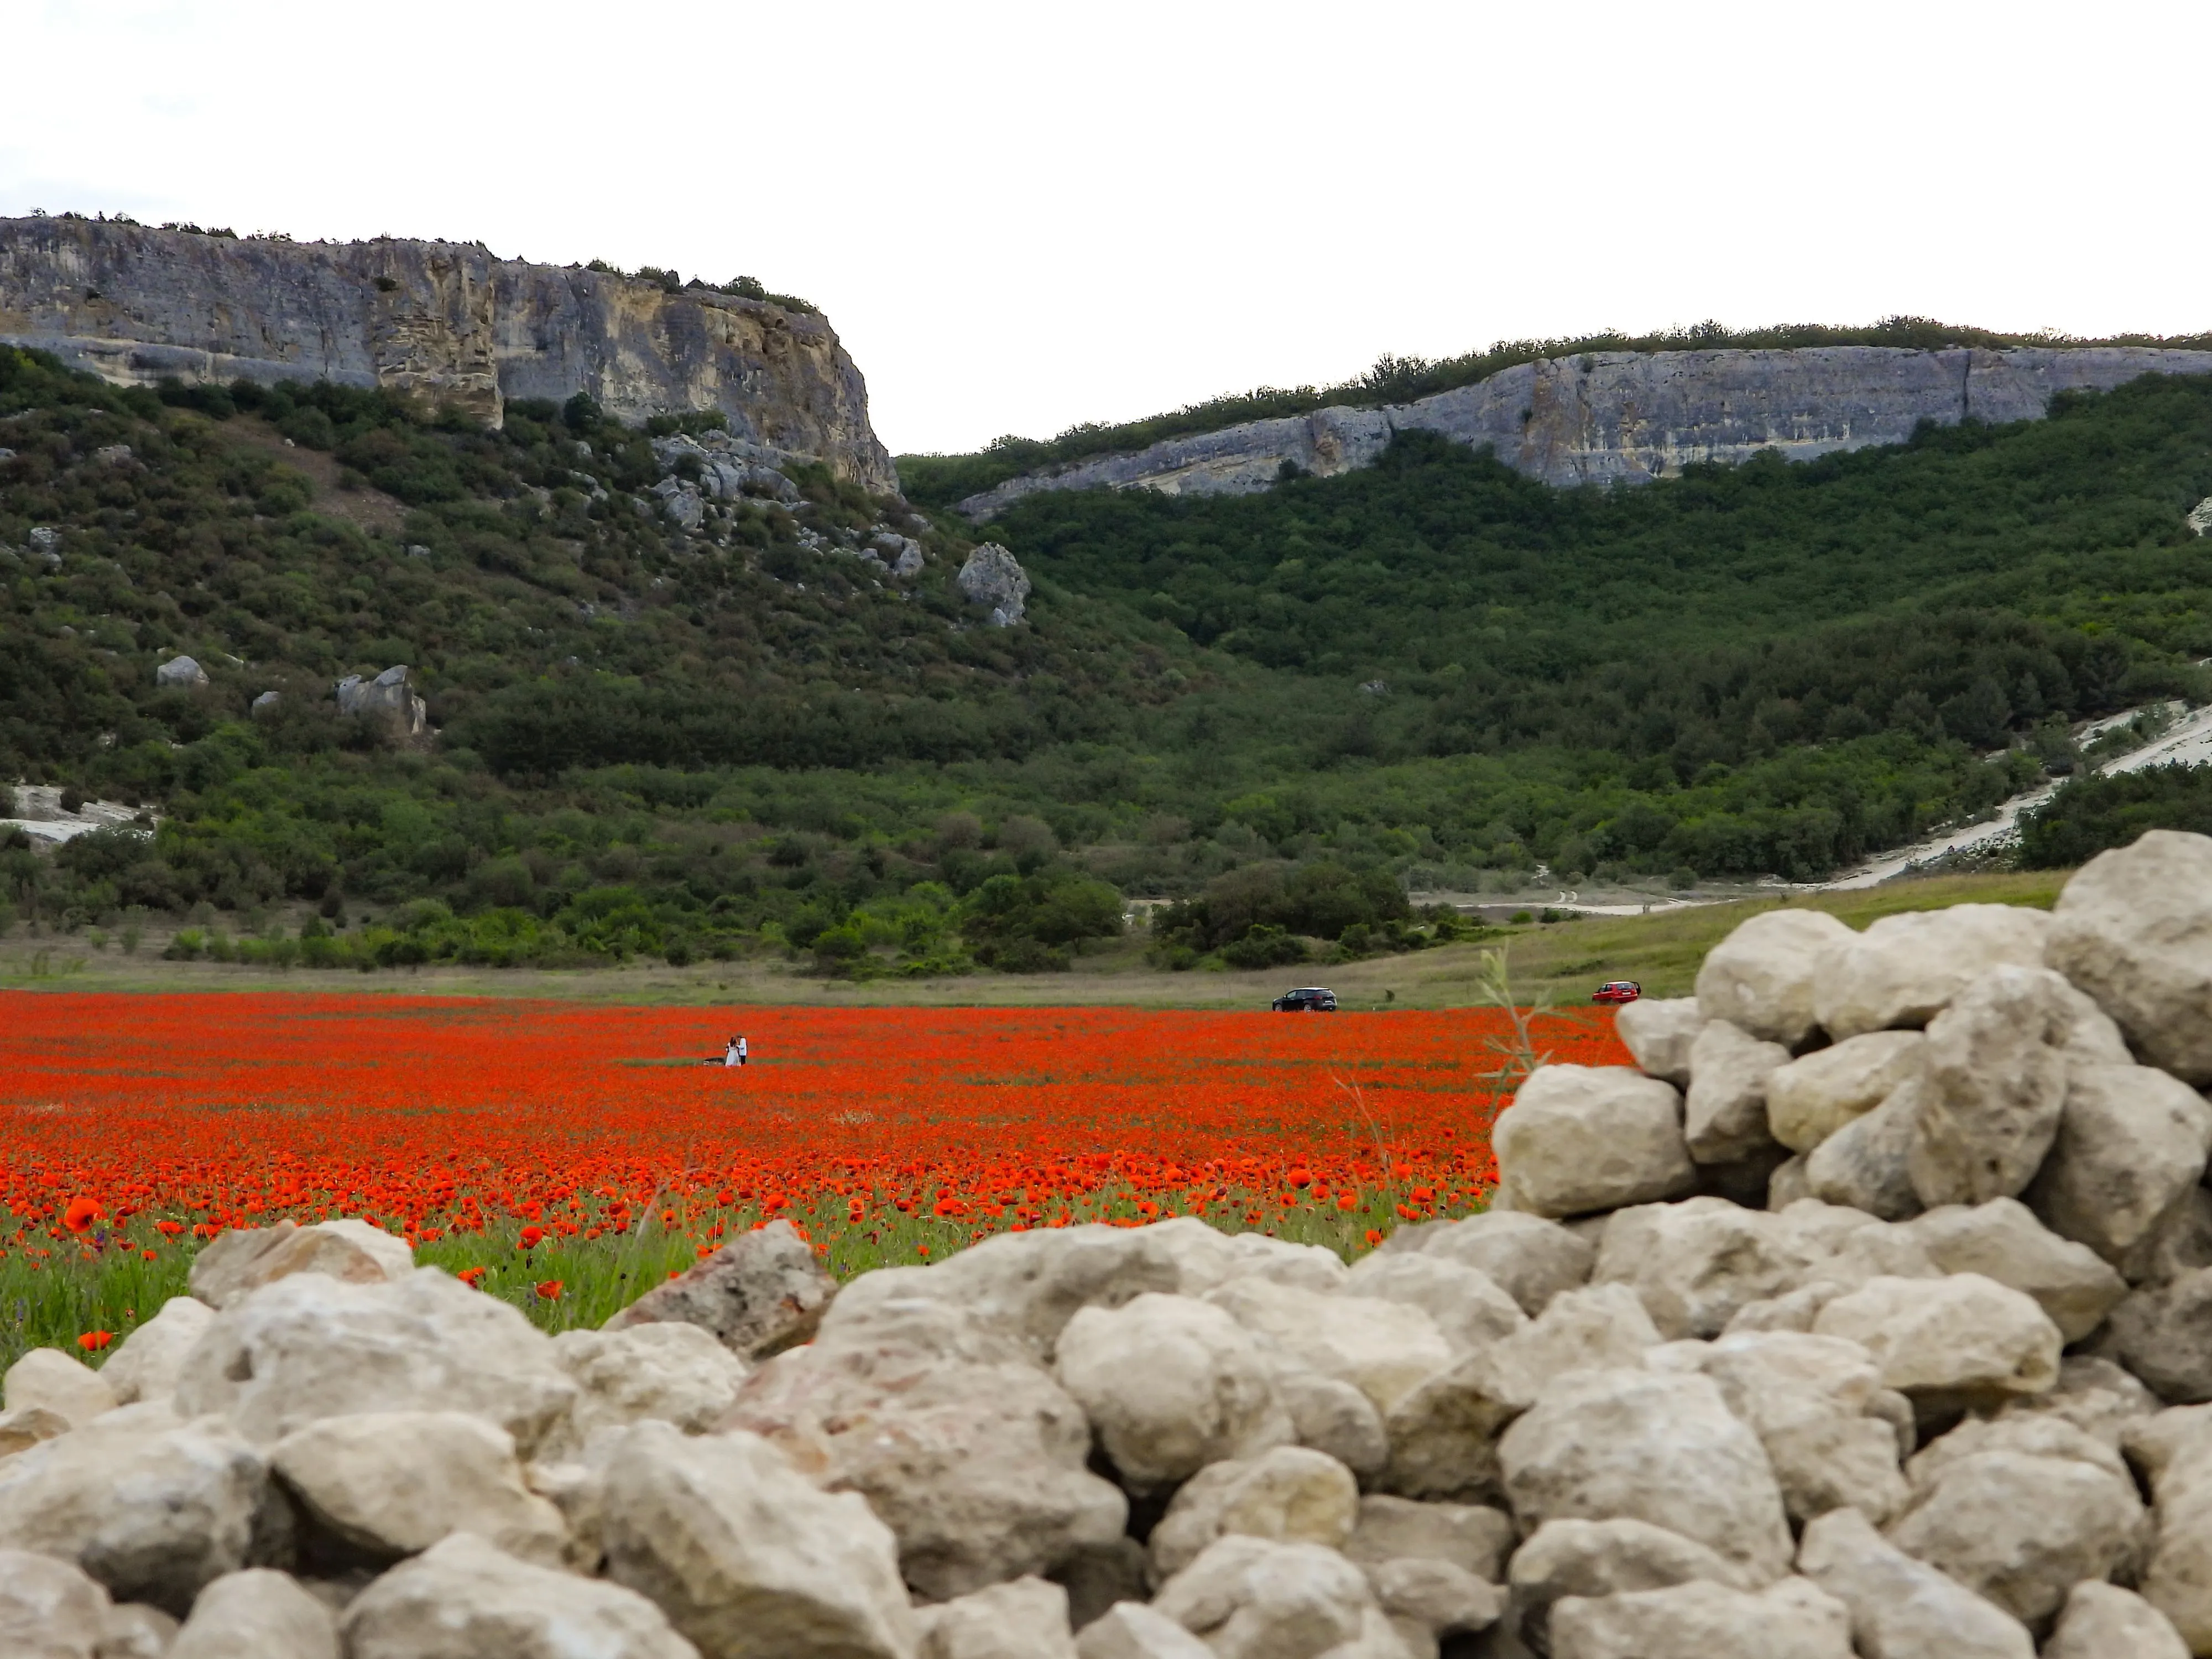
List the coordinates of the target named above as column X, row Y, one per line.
column 1871, row 1315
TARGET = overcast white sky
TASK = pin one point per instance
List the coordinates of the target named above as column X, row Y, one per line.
column 1024, row 216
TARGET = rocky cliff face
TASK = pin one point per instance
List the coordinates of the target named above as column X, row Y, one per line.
column 442, row 318
column 1628, row 417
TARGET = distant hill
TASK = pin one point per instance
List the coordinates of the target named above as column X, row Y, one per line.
column 681, row 702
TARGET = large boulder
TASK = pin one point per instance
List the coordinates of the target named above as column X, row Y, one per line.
column 1793, row 1620
column 306, row 1346
column 1384, row 1349
column 257, row 1614
column 1994, row 1087
column 1251, row 1598
column 2134, row 929
column 181, row 673
column 1660, row 1032
column 2130, row 1149
column 1578, row 1138
column 1651, row 1446
column 761, row 1292
column 993, row 578
column 1868, row 1163
column 462, row 1599
column 1470, row 1309
column 1204, row 1258
column 1026, row 1619
column 1724, row 1108
column 2174, row 1450
column 1818, row 1405
column 1602, row 1558
column 1171, row 1384
column 1901, row 1607
column 1959, row 1337
column 146, row 1363
column 1696, row 1262
column 1443, row 1434
column 48, row 1609
column 1530, row 1257
column 152, row 1508
column 46, row 1379
column 973, row 1456
column 1906, row 969
column 245, row 1259
column 677, row 1372
column 745, row 1555
column 2003, row 1240
column 2017, row 1526
column 2163, row 1333
column 389, row 1484
column 1817, row 1094
column 1291, row 1495
column 2103, row 1621
column 1765, row 975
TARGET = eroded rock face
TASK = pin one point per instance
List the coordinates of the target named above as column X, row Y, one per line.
column 2134, row 929
column 759, row 1294
column 1906, row 968
column 444, row 320
column 993, row 579
column 464, row 1600
column 1578, row 1139
column 1763, row 977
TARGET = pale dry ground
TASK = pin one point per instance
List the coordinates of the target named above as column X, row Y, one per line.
column 1565, row 960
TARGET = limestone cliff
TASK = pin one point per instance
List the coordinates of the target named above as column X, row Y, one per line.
column 1628, row 417
column 447, row 319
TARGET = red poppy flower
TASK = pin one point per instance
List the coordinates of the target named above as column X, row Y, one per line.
column 531, row 1235
column 469, row 1276
column 82, row 1213
column 549, row 1290
column 93, row 1342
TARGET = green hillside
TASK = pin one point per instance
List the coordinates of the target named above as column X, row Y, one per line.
column 1280, row 707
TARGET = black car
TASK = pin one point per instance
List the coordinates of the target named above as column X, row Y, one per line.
column 1311, row 1000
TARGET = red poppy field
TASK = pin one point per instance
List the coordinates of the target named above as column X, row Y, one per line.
column 566, row 1158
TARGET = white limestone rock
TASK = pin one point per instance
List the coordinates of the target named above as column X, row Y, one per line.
column 133, row 1629
column 1471, row 1310
column 2103, row 1621
column 1431, row 1599
column 2130, row 1152
column 1904, row 969
column 1793, row 1620
column 2133, row 929
column 146, row 1363
column 306, row 1347
column 1471, row 1537
column 48, row 1609
column 1579, row 1139
column 245, row 1259
column 154, row 1508
column 1204, row 1258
column 1649, row 1446
column 1530, row 1257
column 46, row 1379
column 1962, row 1334
column 1994, row 1088
column 1901, row 1607
column 2163, row 1333
column 1724, row 1109
column 1868, row 1163
column 1290, row 1495
column 673, row 1372
column 2002, row 1240
column 1023, row 1618
column 390, row 1483
column 973, row 1455
column 1818, row 1405
column 2174, row 1450
column 1250, row 1598
column 1384, row 1349
column 28, row 1426
column 993, row 579
column 2095, row 1395
column 257, row 1614
column 1170, row 1384
column 1659, row 1032
column 760, row 1293
column 1131, row 1630
column 1817, row 1094
column 462, row 1599
column 1694, row 1263
column 1594, row 1558
column 1764, row 976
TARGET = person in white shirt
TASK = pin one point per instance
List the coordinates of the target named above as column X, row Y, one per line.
column 735, row 1055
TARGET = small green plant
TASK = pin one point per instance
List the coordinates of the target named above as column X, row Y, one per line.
column 1518, row 1057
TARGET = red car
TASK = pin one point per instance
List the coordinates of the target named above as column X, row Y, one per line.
column 1617, row 990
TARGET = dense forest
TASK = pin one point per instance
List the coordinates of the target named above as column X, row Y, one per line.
column 942, row 480
column 746, row 733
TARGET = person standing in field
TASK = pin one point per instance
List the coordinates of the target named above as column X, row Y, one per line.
column 735, row 1054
